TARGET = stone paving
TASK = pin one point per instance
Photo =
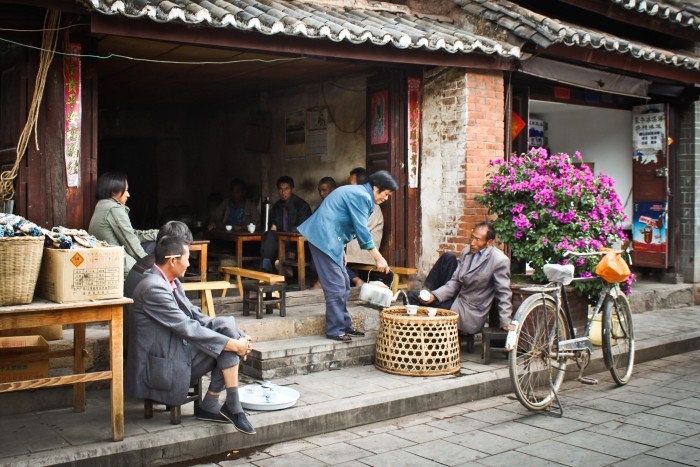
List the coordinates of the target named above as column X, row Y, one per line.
column 357, row 400
column 654, row 421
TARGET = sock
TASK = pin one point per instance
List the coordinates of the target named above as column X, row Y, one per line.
column 232, row 401
column 210, row 403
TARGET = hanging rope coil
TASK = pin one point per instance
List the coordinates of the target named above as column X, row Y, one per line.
column 48, row 49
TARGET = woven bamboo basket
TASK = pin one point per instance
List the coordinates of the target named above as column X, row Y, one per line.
column 418, row 345
column 20, row 261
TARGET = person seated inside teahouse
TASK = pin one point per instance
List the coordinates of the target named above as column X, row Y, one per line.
column 236, row 210
column 110, row 221
column 288, row 213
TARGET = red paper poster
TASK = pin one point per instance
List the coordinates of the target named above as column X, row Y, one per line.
column 72, row 112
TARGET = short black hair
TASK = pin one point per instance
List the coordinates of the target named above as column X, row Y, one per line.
column 383, row 181
column 175, row 229
column 109, row 184
column 490, row 231
column 237, row 182
column 360, row 175
column 169, row 246
column 330, row 181
column 285, row 179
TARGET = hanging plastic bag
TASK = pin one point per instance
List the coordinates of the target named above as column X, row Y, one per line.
column 612, row 268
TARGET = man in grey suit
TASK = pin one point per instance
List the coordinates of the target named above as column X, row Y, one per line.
column 172, row 343
column 483, row 275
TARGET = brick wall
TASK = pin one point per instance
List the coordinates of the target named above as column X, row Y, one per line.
column 688, row 193
column 463, row 129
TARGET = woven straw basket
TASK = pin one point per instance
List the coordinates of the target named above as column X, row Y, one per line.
column 419, row 345
column 20, row 261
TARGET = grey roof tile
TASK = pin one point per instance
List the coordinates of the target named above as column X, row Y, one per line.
column 397, row 27
column 526, row 25
column 685, row 14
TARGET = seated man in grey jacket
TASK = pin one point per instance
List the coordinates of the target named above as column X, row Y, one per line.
column 172, row 343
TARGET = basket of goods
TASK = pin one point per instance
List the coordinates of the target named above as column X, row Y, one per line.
column 21, row 248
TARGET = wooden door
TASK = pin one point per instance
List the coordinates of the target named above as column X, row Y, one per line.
column 387, row 150
column 650, row 188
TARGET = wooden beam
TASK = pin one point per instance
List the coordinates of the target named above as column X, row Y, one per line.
column 285, row 45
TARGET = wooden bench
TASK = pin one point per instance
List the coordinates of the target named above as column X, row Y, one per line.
column 398, row 271
column 240, row 273
column 205, row 288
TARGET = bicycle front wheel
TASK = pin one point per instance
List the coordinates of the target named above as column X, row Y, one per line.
column 618, row 339
column 535, row 372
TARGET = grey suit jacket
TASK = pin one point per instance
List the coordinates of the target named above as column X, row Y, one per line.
column 476, row 289
column 166, row 333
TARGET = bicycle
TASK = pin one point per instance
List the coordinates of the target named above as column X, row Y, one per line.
column 544, row 340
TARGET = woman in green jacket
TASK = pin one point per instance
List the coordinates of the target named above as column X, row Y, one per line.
column 110, row 221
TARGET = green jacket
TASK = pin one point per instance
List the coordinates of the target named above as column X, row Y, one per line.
column 110, row 223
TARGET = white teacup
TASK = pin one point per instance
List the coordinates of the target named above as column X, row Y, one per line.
column 432, row 311
column 251, row 227
column 411, row 309
column 229, row 227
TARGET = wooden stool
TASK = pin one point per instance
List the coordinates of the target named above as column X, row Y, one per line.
column 488, row 335
column 255, row 293
column 193, row 395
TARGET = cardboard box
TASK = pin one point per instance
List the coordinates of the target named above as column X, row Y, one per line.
column 23, row 358
column 81, row 274
column 51, row 332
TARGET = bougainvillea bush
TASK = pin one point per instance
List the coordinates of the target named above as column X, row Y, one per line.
column 548, row 204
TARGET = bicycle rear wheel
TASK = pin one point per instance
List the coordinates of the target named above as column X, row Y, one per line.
column 535, row 372
column 618, row 339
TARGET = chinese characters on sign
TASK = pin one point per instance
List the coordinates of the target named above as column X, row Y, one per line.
column 413, row 130
column 72, row 112
column 648, row 133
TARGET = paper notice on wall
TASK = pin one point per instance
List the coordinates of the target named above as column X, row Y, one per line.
column 317, row 132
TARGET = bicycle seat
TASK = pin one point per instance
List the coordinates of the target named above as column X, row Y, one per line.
column 561, row 273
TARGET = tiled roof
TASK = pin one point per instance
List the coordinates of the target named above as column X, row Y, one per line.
column 354, row 21
column 523, row 25
column 683, row 13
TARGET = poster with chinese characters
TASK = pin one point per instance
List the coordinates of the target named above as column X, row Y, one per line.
column 414, row 101
column 73, row 112
column 648, row 133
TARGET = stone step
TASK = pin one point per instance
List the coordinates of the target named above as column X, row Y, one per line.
column 308, row 354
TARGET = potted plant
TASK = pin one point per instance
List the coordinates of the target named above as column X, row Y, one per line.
column 550, row 203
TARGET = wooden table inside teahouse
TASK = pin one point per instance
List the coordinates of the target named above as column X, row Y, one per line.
column 239, row 238
column 301, row 255
column 202, row 246
column 43, row 312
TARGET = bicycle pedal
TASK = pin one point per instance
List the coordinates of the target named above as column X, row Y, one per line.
column 587, row 380
column 580, row 343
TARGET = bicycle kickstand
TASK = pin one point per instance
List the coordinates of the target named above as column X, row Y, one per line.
column 585, row 379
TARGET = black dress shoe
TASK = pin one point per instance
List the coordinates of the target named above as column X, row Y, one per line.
column 201, row 414
column 239, row 420
column 355, row 332
column 341, row 338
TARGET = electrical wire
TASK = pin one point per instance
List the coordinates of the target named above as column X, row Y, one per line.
column 149, row 60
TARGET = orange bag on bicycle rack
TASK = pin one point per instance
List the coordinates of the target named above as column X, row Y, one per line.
column 612, row 268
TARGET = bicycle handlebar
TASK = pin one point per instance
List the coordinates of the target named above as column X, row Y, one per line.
column 596, row 253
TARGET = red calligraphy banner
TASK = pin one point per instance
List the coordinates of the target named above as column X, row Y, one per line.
column 72, row 112
column 414, row 117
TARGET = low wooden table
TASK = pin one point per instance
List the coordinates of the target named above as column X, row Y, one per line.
column 44, row 312
column 239, row 238
column 300, row 263
column 202, row 246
